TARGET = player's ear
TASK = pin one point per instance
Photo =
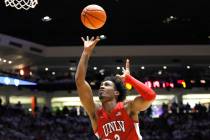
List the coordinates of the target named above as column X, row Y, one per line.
column 116, row 93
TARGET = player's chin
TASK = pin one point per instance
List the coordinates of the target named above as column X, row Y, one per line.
column 104, row 98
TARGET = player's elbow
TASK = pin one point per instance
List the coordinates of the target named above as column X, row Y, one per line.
column 78, row 80
column 146, row 104
column 151, row 96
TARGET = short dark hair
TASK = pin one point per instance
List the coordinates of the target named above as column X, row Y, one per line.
column 119, row 87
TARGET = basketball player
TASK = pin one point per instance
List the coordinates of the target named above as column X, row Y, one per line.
column 115, row 119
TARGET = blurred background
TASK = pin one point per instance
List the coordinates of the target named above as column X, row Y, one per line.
column 167, row 42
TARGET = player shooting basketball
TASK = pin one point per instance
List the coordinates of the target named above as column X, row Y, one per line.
column 115, row 119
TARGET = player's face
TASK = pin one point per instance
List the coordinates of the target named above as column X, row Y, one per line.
column 106, row 91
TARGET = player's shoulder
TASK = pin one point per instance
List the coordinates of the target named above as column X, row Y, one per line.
column 98, row 106
column 127, row 105
column 126, row 102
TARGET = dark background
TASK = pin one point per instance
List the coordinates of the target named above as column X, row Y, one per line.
column 129, row 22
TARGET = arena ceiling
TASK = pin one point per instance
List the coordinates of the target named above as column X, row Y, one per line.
column 129, row 22
column 147, row 25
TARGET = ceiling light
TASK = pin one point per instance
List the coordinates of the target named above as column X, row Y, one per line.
column 159, row 72
column 46, row 19
column 22, row 72
column 72, row 68
column 46, row 69
column 188, row 67
column 171, row 17
column 164, row 67
column 10, row 62
column 53, row 73
column 101, row 71
column 102, row 37
column 202, row 81
column 142, row 67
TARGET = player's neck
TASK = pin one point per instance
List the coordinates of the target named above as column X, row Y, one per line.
column 109, row 106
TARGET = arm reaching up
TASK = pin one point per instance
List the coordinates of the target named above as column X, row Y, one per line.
column 89, row 45
column 83, row 88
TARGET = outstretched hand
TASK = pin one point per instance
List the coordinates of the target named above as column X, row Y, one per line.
column 126, row 70
column 89, row 44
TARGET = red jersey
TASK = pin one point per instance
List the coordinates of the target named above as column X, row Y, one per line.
column 117, row 125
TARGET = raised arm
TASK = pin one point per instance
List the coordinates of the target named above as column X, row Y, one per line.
column 83, row 88
column 140, row 103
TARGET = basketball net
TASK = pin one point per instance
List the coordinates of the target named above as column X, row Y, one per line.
column 21, row 4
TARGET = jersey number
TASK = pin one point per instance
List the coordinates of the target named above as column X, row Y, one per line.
column 116, row 137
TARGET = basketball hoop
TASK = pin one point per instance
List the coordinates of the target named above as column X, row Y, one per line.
column 21, row 4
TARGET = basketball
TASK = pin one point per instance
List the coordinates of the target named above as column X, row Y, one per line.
column 93, row 16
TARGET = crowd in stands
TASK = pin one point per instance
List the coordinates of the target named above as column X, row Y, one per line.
column 177, row 122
